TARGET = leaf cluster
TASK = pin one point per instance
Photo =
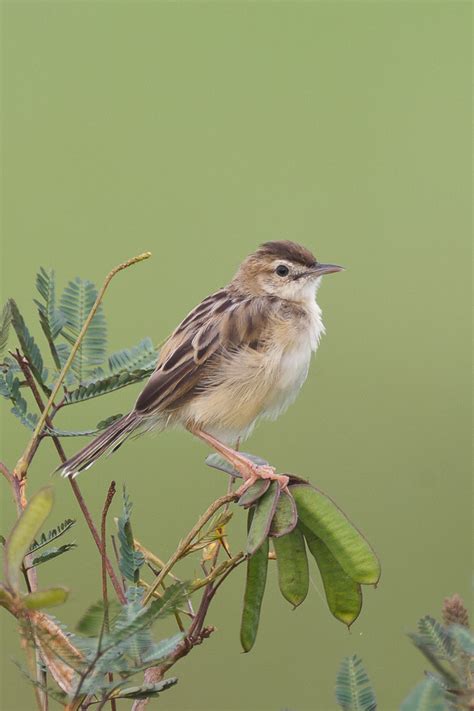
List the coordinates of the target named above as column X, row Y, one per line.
column 93, row 373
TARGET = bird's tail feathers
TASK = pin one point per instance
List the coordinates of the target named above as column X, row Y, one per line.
column 106, row 442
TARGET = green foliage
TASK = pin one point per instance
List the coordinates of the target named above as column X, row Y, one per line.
column 29, row 347
column 130, row 560
column 47, row 538
column 5, row 321
column 427, row 696
column 51, row 553
column 52, row 320
column 146, row 691
column 92, row 620
column 106, row 385
column 76, row 302
column 353, row 689
column 140, row 357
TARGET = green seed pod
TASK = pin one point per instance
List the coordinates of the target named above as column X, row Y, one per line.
column 323, row 518
column 257, row 566
column 285, row 516
column 262, row 518
column 252, row 494
column 343, row 595
column 292, row 561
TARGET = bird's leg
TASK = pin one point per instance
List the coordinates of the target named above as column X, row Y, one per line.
column 250, row 471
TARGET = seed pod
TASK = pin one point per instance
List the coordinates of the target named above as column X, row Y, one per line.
column 292, row 561
column 257, row 566
column 252, row 494
column 343, row 595
column 285, row 517
column 323, row 518
column 262, row 518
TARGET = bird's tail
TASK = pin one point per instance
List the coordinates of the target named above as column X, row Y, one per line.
column 108, row 441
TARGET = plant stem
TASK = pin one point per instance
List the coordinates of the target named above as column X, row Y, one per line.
column 215, row 506
column 108, row 501
column 23, row 462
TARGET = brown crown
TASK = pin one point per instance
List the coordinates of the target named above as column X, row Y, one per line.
column 284, row 249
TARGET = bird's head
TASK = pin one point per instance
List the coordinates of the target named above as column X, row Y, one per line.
column 283, row 269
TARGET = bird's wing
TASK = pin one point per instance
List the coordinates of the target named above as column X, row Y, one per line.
column 223, row 321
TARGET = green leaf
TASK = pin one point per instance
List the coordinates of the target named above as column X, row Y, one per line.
column 146, row 691
column 51, row 553
column 47, row 538
column 463, row 637
column 92, row 620
column 140, row 357
column 427, row 696
column 106, row 385
column 130, row 560
column 343, row 595
column 45, row 598
column 52, row 319
column 29, row 347
column 171, row 600
column 24, row 532
column 262, row 518
column 292, row 562
column 5, row 321
column 434, row 637
column 257, row 566
column 326, row 520
column 76, row 303
column 353, row 689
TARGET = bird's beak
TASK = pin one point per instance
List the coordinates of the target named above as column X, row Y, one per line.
column 320, row 269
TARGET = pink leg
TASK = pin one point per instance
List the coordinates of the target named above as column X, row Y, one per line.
column 249, row 470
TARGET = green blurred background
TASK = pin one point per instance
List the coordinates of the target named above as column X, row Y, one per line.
column 197, row 131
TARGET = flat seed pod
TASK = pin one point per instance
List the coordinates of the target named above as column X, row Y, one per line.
column 292, row 561
column 285, row 517
column 343, row 595
column 326, row 520
column 262, row 518
column 257, row 566
column 216, row 461
column 257, row 490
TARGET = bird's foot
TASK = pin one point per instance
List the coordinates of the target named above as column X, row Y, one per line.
column 250, row 471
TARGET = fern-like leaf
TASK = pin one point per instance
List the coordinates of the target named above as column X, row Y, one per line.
column 76, row 302
column 353, row 688
column 52, row 319
column 146, row 691
column 92, row 620
column 47, row 538
column 140, row 357
column 131, row 560
column 106, row 385
column 433, row 636
column 5, row 321
column 427, row 696
column 51, row 553
column 29, row 347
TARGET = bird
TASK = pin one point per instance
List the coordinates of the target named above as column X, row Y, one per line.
column 241, row 355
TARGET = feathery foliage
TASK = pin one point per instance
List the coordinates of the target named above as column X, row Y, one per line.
column 76, row 302
column 140, row 357
column 29, row 347
column 130, row 559
column 5, row 321
column 47, row 538
column 353, row 689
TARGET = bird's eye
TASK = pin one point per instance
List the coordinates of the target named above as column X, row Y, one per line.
column 282, row 270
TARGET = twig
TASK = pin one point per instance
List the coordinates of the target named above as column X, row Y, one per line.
column 103, row 523
column 215, row 506
column 22, row 465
